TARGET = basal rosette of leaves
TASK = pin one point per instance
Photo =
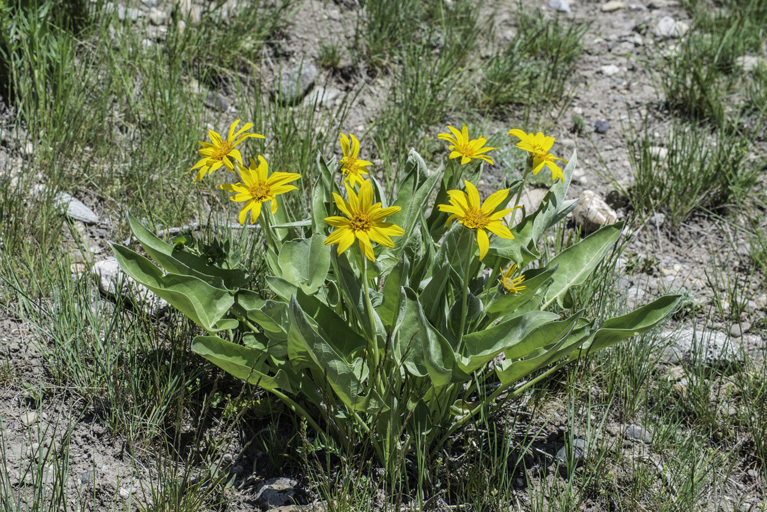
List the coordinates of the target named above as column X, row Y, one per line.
column 405, row 349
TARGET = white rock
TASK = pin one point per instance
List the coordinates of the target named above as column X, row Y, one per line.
column 29, row 418
column 613, row 5
column 750, row 62
column 531, row 199
column 610, row 70
column 72, row 207
column 669, row 28
column 658, row 153
column 560, row 5
column 709, row 347
column 327, row 97
column 592, row 212
column 113, row 281
column 158, row 16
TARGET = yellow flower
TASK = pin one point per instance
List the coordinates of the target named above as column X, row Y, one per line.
column 538, row 146
column 512, row 285
column 465, row 207
column 465, row 148
column 221, row 152
column 257, row 187
column 365, row 222
column 352, row 167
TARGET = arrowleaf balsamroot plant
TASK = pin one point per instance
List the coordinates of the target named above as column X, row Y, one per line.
column 402, row 341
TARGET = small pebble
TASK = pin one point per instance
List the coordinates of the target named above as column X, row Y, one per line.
column 560, row 5
column 613, row 5
column 602, row 126
column 638, row 433
column 579, row 453
column 29, row 418
column 610, row 70
column 738, row 330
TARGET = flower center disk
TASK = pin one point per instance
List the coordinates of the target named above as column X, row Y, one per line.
column 221, row 151
column 475, row 219
column 361, row 222
column 260, row 191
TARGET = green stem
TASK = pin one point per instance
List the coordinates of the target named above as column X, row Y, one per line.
column 455, row 426
column 465, row 298
column 267, row 228
column 373, row 340
column 296, row 408
column 528, row 168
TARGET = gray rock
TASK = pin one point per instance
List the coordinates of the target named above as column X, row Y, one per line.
column 327, row 97
column 658, row 153
column 531, row 200
column 560, row 5
column 71, row 206
column 29, row 418
column 610, row 70
column 580, row 450
column 158, row 16
column 613, row 5
column 637, row 433
column 128, row 13
column 277, row 492
column 113, row 281
column 737, row 330
column 602, row 126
column 668, row 27
column 86, row 477
column 295, row 82
column 217, row 101
column 710, row 347
column 592, row 212
column 658, row 219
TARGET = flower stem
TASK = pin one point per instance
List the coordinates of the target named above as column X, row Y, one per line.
column 528, row 168
column 267, row 229
column 465, row 298
column 373, row 340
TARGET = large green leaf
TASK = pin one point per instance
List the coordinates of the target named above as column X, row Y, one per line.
column 508, row 303
column 543, row 346
column 331, row 326
column 353, row 290
column 328, row 362
column 635, row 323
column 305, row 262
column 202, row 303
column 245, row 363
column 482, row 346
column 578, row 261
column 423, row 350
column 413, row 193
column 182, row 262
column 396, row 279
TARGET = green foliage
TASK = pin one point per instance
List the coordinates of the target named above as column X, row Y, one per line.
column 689, row 169
column 534, row 67
column 389, row 350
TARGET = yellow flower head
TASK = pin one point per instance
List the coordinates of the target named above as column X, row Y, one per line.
column 512, row 285
column 465, row 207
column 538, row 146
column 257, row 187
column 467, row 149
column 351, row 166
column 364, row 223
column 220, row 152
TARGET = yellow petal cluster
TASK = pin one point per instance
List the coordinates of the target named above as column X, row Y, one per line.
column 512, row 285
column 465, row 206
column 364, row 221
column 221, row 152
column 257, row 187
column 464, row 148
column 538, row 145
column 352, row 167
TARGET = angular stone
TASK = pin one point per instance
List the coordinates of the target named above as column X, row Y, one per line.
column 580, row 451
column 295, row 82
column 613, row 5
column 750, row 62
column 560, row 5
column 610, row 70
column 602, row 126
column 710, row 347
column 277, row 492
column 531, row 200
column 113, row 281
column 637, row 433
column 592, row 212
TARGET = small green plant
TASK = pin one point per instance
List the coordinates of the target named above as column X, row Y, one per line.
column 392, row 343
column 689, row 169
column 330, row 55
